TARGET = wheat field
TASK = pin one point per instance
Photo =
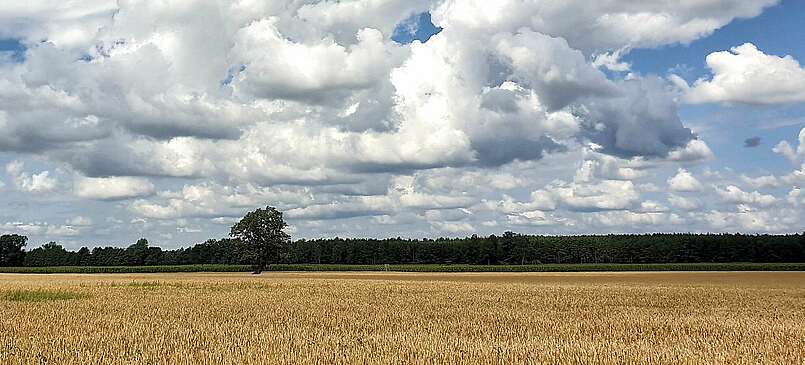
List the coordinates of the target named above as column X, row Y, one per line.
column 396, row 318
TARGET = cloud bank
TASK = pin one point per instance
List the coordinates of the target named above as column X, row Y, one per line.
column 202, row 110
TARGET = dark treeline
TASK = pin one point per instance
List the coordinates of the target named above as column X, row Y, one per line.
column 510, row 248
column 225, row 251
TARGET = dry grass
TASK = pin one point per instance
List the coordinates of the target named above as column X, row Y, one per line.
column 324, row 318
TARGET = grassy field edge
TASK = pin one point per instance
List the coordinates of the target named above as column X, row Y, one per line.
column 415, row 268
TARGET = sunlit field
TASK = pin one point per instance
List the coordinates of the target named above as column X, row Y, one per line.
column 425, row 318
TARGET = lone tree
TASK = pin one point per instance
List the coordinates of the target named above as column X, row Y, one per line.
column 261, row 232
column 11, row 249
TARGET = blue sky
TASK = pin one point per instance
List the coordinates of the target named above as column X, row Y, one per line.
column 777, row 31
column 13, row 48
column 415, row 118
column 418, row 27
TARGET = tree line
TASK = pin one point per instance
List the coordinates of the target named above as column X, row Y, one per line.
column 507, row 249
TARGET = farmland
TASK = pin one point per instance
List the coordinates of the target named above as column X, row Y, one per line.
column 370, row 317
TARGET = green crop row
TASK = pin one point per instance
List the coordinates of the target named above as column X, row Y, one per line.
column 548, row 267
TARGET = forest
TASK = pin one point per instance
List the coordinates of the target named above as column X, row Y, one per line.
column 507, row 249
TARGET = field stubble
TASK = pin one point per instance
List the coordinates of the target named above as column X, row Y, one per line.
column 324, row 318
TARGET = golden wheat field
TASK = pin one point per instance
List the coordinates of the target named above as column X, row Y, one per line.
column 393, row 318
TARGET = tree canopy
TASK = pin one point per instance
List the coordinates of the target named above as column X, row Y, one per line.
column 11, row 249
column 262, row 233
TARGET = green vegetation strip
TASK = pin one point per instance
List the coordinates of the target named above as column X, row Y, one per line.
column 550, row 267
column 415, row 268
column 40, row 295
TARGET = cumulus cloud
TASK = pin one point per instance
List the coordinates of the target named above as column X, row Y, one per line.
column 68, row 23
column 635, row 219
column 535, row 218
column 794, row 154
column 355, row 207
column 216, row 201
column 642, row 120
column 759, row 182
column 603, row 24
column 796, row 177
column 604, row 195
column 695, row 150
column 453, row 227
column 112, row 188
column 684, row 181
column 612, row 61
column 684, row 203
column 41, row 182
column 796, row 197
column 601, row 166
column 79, row 221
column 734, row 194
column 319, row 69
column 136, row 100
column 747, row 75
column 40, row 229
column 199, row 111
column 752, row 221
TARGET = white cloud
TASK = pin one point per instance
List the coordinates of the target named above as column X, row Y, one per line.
column 601, row 24
column 759, row 182
column 540, row 200
column 734, row 194
column 747, row 75
column 356, row 207
column 160, row 94
column 684, row 203
column 31, row 183
column 612, row 61
column 605, row 195
column 602, row 166
column 67, row 23
column 216, row 201
column 79, row 221
column 453, row 227
column 535, row 218
column 319, row 69
column 202, row 110
column 112, row 188
column 795, row 155
column 648, row 188
column 749, row 221
column 796, row 197
column 684, row 181
column 41, row 229
column 696, row 150
column 796, row 177
column 650, row 206
column 633, row 219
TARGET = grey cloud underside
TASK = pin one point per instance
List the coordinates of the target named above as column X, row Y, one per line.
column 492, row 153
column 643, row 121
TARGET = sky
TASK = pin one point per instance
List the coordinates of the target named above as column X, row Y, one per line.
column 413, row 118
